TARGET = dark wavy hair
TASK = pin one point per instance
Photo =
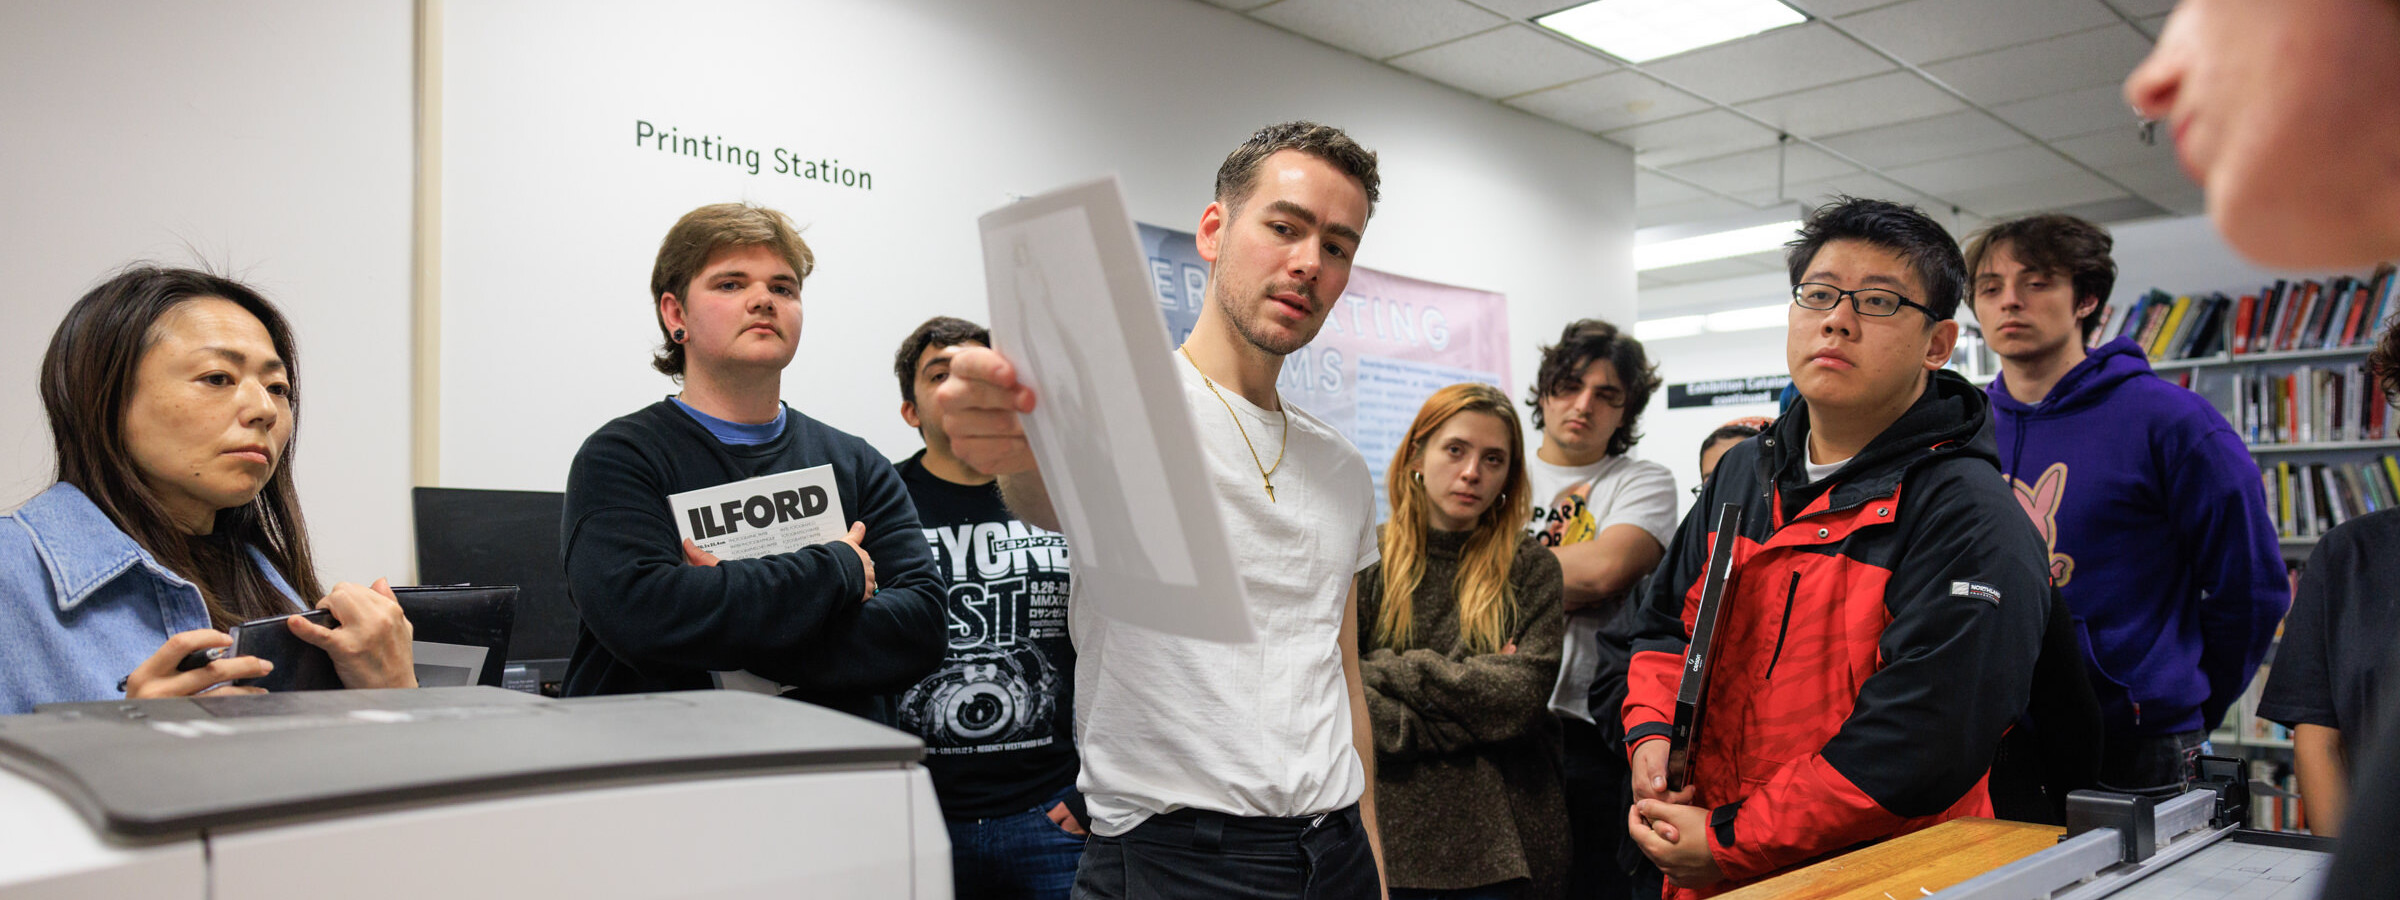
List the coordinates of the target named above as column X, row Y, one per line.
column 1238, row 175
column 2384, row 360
column 1582, row 341
column 1900, row 228
column 86, row 382
column 939, row 331
column 2058, row 245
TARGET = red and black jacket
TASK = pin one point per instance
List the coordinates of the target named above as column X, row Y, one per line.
column 1880, row 635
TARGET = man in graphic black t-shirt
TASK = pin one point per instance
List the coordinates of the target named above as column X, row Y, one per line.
column 997, row 716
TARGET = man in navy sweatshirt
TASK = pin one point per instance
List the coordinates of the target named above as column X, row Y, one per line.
column 839, row 623
column 2157, row 524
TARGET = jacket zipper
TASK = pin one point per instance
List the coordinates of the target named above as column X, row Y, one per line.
column 1786, row 628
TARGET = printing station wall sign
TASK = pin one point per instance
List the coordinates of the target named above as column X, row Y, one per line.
column 1726, row 391
column 1389, row 343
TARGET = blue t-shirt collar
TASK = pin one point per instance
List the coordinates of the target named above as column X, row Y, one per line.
column 737, row 434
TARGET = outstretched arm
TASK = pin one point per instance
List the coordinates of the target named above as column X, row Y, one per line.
column 983, row 406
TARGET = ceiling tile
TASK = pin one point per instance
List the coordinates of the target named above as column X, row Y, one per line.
column 1241, row 4
column 2015, row 165
column 1378, row 29
column 2151, row 177
column 1652, row 189
column 2115, row 147
column 1527, row 9
column 1923, row 31
column 2152, row 26
column 1689, row 211
column 2038, row 195
column 2074, row 113
column 1852, row 105
column 1608, row 102
column 1763, row 65
column 1504, row 62
column 2142, row 9
column 2121, row 209
column 1645, row 280
column 1700, row 135
column 2161, row 182
column 1754, row 170
column 2100, row 56
column 1817, row 193
column 1826, row 9
column 1940, row 137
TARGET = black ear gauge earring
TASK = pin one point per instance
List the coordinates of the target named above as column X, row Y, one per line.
column 679, row 335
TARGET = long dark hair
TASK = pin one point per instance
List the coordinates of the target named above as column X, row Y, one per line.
column 87, row 380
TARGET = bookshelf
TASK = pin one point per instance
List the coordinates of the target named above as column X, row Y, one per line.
column 2286, row 365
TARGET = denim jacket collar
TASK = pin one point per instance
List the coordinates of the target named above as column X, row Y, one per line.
column 82, row 550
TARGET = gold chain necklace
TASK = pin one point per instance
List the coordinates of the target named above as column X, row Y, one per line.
column 1266, row 473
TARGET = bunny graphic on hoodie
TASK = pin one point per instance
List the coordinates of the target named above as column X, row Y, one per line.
column 2040, row 500
column 2160, row 540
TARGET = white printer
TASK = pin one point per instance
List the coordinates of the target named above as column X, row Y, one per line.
column 463, row 792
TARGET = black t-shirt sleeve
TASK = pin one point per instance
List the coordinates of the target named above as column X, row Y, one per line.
column 2299, row 687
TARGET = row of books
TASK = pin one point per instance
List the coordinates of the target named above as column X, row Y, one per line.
column 2309, row 499
column 2310, row 404
column 2284, row 316
column 2275, row 803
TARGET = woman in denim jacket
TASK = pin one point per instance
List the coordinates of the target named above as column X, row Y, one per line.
column 171, row 395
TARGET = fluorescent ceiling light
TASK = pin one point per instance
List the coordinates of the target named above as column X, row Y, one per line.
column 1700, row 248
column 1750, row 319
column 1671, row 327
column 1643, row 30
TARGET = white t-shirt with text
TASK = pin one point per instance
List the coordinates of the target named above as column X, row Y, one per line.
column 1575, row 504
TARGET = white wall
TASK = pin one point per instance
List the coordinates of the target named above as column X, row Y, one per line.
column 274, row 138
column 2179, row 255
column 269, row 139
column 552, row 215
column 1671, row 437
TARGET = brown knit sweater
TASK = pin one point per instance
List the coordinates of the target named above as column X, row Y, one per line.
column 1466, row 751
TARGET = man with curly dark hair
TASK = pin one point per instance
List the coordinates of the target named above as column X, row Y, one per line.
column 1608, row 517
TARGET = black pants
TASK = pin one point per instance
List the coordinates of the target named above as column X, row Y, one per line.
column 1607, row 865
column 1197, row 854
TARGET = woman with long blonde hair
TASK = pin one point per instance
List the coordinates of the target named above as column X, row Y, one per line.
column 1459, row 639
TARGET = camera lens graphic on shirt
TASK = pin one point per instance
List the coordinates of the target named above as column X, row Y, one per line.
column 986, row 694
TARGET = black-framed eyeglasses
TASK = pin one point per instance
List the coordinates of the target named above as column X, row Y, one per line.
column 1868, row 301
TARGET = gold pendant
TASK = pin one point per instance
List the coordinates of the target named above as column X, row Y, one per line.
column 1270, row 492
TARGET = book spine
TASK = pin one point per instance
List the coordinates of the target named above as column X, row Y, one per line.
column 2241, row 324
column 2359, row 301
column 2286, row 522
column 2159, row 340
column 2269, row 311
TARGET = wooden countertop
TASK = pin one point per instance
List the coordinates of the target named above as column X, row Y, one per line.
column 1909, row 866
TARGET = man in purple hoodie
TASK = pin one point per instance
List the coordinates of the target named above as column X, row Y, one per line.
column 2157, row 523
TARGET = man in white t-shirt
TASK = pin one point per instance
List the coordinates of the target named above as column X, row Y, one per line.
column 1608, row 517
column 1232, row 770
